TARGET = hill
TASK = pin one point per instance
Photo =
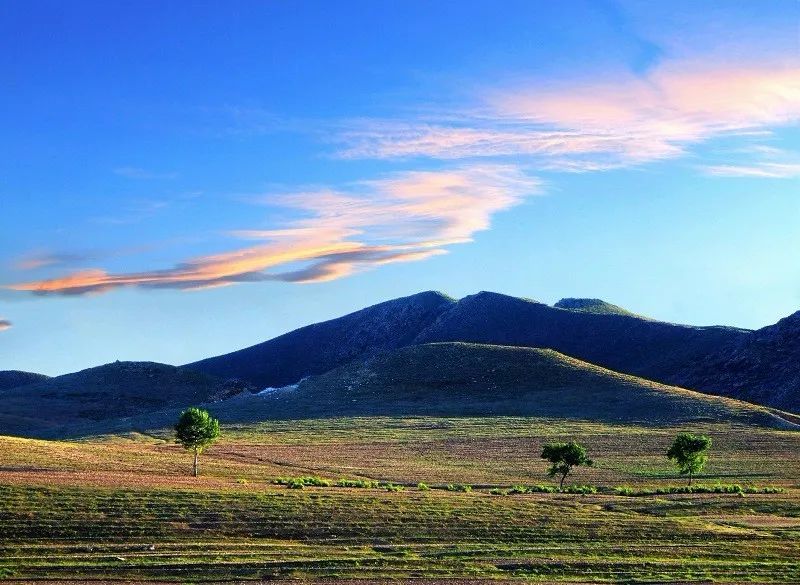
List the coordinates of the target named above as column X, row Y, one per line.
column 16, row 378
column 461, row 379
column 622, row 342
column 119, row 389
column 763, row 367
column 323, row 346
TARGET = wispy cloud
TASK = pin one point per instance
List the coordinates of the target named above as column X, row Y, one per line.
column 767, row 170
column 38, row 260
column 591, row 124
column 403, row 217
column 5, row 324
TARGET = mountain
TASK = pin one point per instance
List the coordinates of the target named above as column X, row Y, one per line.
column 763, row 367
column 120, row 389
column 16, row 378
column 617, row 340
column 460, row 379
column 323, row 346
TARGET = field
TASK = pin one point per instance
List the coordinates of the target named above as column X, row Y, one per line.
column 125, row 508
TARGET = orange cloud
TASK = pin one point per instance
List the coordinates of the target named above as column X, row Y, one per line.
column 405, row 217
column 5, row 324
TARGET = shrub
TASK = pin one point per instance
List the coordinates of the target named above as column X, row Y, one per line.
column 541, row 489
column 391, row 487
column 300, row 482
column 697, row 489
column 459, row 487
column 423, row 487
column 498, row 492
column 242, row 481
column 357, row 483
column 533, row 489
column 579, row 489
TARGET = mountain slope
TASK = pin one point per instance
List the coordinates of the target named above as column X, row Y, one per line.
column 621, row 342
column 323, row 346
column 457, row 379
column 120, row 389
column 764, row 367
column 16, row 378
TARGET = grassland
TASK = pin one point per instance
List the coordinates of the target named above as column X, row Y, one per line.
column 124, row 507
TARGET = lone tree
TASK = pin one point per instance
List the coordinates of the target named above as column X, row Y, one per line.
column 196, row 430
column 688, row 451
column 563, row 457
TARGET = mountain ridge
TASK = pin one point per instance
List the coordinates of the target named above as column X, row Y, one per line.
column 317, row 348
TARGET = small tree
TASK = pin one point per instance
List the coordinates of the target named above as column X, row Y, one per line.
column 196, row 430
column 688, row 451
column 563, row 457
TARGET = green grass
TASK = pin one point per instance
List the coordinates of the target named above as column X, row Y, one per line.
column 125, row 508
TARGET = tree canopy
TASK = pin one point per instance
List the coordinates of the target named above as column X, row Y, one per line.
column 688, row 451
column 563, row 457
column 196, row 430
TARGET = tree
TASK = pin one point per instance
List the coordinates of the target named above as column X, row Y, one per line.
column 196, row 430
column 688, row 451
column 563, row 457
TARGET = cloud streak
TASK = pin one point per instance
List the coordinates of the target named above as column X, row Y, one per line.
column 407, row 216
column 592, row 124
column 5, row 324
column 764, row 170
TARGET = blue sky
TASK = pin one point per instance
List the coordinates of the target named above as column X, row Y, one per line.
column 177, row 183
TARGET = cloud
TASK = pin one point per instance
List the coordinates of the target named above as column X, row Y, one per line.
column 587, row 124
column 5, row 324
column 407, row 216
column 44, row 259
column 768, row 170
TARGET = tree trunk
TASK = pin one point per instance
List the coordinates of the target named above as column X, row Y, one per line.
column 195, row 461
column 561, row 485
column 690, row 478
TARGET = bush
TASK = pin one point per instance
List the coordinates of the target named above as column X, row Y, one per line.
column 357, row 483
column 579, row 489
column 697, row 489
column 533, row 489
column 498, row 492
column 300, row 482
column 391, row 487
column 423, row 487
column 242, row 481
column 459, row 487
column 542, row 489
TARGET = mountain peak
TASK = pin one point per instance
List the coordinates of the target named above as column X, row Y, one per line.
column 597, row 306
column 486, row 295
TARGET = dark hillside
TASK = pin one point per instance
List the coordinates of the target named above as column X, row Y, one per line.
column 323, row 346
column 621, row 342
column 460, row 379
column 764, row 367
column 115, row 390
column 16, row 378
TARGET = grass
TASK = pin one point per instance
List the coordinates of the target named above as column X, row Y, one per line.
column 125, row 508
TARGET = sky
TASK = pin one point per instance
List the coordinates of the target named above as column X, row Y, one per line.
column 179, row 181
